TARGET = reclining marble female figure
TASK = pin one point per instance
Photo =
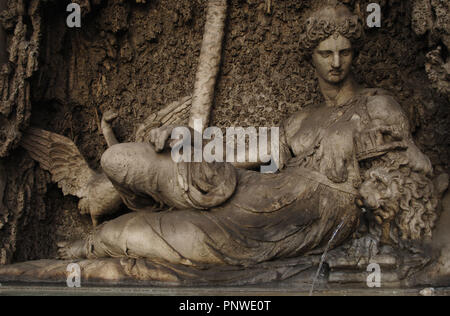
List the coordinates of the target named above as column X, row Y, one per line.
column 224, row 214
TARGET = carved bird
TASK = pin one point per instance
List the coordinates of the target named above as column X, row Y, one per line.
column 61, row 157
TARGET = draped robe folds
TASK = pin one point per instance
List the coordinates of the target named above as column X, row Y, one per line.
column 264, row 217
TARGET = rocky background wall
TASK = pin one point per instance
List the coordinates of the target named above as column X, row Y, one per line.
column 137, row 56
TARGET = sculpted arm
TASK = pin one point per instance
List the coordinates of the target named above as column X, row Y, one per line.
column 273, row 144
column 275, row 141
column 278, row 145
column 398, row 187
column 389, row 118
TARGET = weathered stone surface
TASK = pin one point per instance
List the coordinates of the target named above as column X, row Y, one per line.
column 137, row 57
column 141, row 272
column 438, row 272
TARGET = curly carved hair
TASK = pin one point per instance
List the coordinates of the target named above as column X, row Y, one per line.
column 401, row 197
column 331, row 20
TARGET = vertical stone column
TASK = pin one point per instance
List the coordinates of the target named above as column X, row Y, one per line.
column 209, row 62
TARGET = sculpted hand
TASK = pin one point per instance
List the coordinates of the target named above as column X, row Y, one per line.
column 398, row 140
column 335, row 165
column 336, row 152
column 418, row 161
column 160, row 137
column 388, row 137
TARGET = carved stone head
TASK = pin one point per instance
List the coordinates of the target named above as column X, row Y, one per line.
column 332, row 38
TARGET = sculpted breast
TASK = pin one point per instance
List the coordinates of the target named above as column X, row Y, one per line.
column 306, row 130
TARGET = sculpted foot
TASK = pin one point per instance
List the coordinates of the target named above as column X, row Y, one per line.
column 71, row 250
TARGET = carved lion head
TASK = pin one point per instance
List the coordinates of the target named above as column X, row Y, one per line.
column 402, row 200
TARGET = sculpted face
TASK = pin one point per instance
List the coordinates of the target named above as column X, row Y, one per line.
column 333, row 59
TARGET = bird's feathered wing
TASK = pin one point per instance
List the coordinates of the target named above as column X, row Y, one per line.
column 61, row 157
column 175, row 114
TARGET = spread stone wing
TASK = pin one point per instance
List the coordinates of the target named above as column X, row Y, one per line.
column 175, row 113
column 61, row 157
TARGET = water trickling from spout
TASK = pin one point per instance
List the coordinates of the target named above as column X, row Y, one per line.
column 324, row 255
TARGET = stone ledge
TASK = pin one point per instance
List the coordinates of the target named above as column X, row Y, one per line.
column 42, row 290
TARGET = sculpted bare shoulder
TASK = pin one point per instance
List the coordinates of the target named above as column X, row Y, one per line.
column 385, row 110
column 292, row 124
